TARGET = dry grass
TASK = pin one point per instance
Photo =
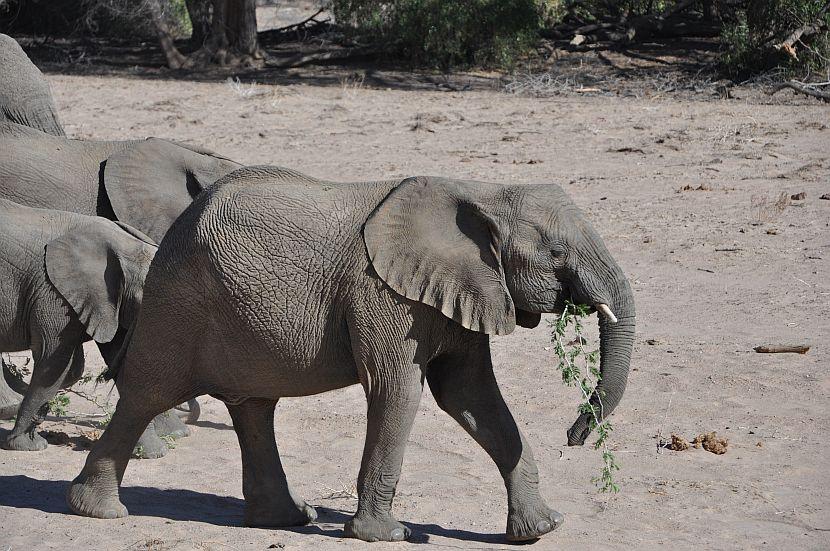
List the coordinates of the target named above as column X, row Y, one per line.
column 767, row 208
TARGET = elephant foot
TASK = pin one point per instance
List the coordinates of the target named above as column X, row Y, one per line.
column 531, row 524
column 86, row 498
column 169, row 424
column 150, row 446
column 367, row 528
column 26, row 442
column 280, row 515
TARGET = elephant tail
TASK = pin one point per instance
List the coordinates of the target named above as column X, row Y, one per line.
column 115, row 351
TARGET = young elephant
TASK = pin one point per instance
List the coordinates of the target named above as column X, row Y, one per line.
column 66, row 278
column 143, row 183
column 25, row 97
column 306, row 286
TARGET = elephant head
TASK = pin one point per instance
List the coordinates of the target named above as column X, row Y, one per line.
column 491, row 257
column 99, row 269
column 150, row 182
column 25, row 97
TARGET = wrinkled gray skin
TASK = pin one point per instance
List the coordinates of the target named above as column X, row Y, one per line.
column 25, row 97
column 143, row 183
column 288, row 286
column 66, row 278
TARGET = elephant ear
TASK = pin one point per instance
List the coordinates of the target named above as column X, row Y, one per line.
column 431, row 241
column 25, row 96
column 99, row 269
column 151, row 182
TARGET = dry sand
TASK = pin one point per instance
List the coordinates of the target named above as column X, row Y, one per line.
column 684, row 192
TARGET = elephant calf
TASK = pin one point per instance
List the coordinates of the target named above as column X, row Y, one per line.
column 284, row 285
column 66, row 278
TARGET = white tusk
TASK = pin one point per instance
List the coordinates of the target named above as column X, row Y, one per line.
column 606, row 311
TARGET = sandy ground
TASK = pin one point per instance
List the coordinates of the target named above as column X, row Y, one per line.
column 684, row 192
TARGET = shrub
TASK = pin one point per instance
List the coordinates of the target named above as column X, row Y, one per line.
column 751, row 33
column 116, row 18
column 446, row 33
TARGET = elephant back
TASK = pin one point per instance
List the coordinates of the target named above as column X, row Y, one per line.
column 25, row 96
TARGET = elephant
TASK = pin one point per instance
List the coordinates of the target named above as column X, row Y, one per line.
column 25, row 97
column 287, row 286
column 143, row 183
column 67, row 278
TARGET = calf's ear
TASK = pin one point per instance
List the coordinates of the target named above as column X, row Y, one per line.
column 432, row 241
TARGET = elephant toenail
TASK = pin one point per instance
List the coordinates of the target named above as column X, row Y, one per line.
column 398, row 534
column 542, row 527
column 557, row 518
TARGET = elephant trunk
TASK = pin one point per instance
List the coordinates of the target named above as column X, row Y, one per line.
column 616, row 342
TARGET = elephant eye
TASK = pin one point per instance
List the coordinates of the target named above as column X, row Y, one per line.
column 557, row 250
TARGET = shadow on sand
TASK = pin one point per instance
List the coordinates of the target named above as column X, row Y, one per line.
column 23, row 492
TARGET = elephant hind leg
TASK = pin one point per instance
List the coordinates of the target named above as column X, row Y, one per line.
column 269, row 501
column 56, row 366
column 94, row 492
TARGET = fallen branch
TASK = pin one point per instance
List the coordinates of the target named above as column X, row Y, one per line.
column 304, row 59
column 782, row 349
column 301, row 24
column 816, row 27
column 800, row 87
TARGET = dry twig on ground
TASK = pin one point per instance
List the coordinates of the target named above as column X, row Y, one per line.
column 802, row 88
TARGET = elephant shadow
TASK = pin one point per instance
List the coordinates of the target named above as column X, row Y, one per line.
column 48, row 496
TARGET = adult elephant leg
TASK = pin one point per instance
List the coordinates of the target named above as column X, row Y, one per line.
column 54, row 369
column 269, row 501
column 393, row 390
column 9, row 399
column 94, row 492
column 151, row 380
column 465, row 387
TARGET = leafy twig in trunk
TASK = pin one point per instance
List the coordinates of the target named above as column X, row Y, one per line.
column 571, row 353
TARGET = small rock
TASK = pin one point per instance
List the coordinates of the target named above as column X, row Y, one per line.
column 772, row 231
column 826, row 197
column 800, row 196
column 653, row 342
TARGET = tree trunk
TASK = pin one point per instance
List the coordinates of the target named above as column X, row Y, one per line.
column 231, row 39
column 234, row 33
column 200, row 20
column 241, row 26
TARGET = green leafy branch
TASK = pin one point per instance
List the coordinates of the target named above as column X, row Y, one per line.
column 580, row 368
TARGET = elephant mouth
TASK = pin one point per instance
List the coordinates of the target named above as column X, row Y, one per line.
column 554, row 303
column 526, row 319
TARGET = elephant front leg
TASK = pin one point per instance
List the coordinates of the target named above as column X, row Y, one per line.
column 393, row 403
column 269, row 501
column 58, row 369
column 466, row 389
